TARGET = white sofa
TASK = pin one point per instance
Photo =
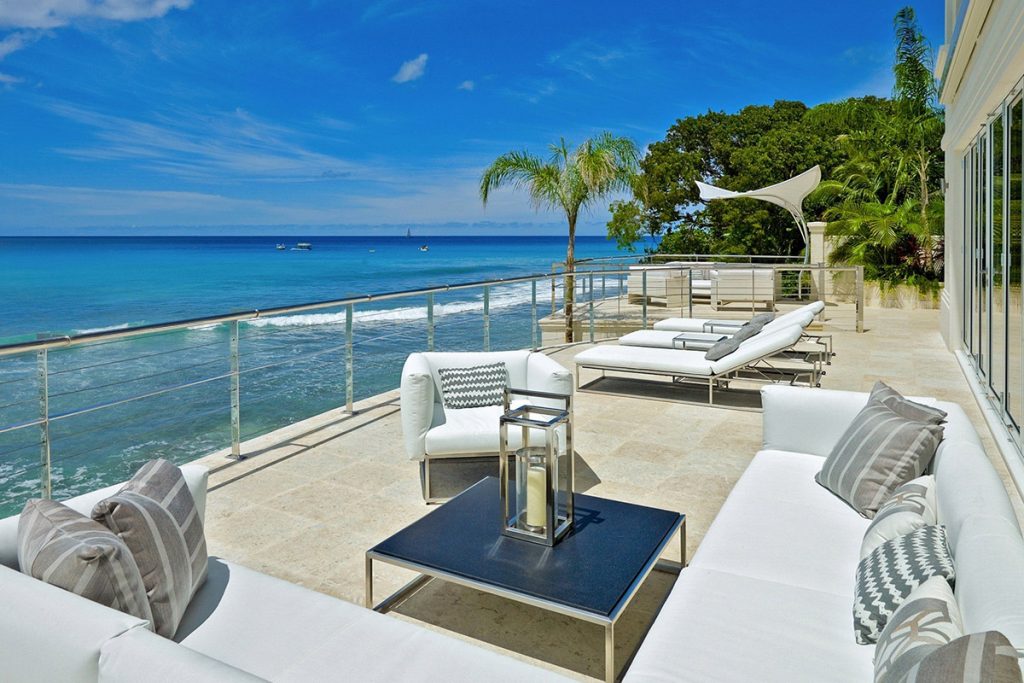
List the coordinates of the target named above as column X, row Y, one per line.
column 768, row 595
column 670, row 284
column 432, row 431
column 240, row 626
column 742, row 285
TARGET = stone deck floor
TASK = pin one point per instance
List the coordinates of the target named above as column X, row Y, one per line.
column 312, row 498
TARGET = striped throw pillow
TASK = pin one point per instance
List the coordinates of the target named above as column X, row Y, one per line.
column 912, row 410
column 473, row 387
column 879, row 451
column 67, row 549
column 987, row 657
column 156, row 517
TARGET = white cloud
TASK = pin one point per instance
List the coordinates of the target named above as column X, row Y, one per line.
column 13, row 42
column 42, row 14
column 467, row 85
column 200, row 145
column 8, row 80
column 411, row 70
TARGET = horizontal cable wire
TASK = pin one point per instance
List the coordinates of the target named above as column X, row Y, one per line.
column 135, row 358
column 136, row 379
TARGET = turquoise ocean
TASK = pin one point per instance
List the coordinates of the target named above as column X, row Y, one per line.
column 116, row 404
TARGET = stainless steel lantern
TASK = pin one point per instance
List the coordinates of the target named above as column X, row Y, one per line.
column 537, row 477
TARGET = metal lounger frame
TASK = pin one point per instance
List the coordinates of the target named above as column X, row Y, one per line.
column 756, row 370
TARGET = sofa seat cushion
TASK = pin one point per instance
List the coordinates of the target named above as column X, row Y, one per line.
column 283, row 632
column 779, row 525
column 718, row 626
column 471, row 431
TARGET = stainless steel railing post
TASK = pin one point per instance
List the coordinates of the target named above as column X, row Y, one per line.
column 236, row 397
column 487, row 318
column 43, row 374
column 643, row 292
column 590, row 288
column 430, row 321
column 553, row 296
column 859, row 294
column 533, row 315
column 348, row 360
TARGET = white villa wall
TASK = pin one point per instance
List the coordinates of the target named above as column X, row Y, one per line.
column 982, row 68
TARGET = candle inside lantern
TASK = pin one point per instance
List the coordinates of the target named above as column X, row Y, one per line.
column 536, row 496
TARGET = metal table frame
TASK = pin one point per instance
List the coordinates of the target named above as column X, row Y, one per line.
column 427, row 574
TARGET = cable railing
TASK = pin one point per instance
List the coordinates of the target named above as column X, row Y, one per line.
column 79, row 410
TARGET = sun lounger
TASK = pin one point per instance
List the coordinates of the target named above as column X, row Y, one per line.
column 802, row 316
column 720, row 325
column 751, row 361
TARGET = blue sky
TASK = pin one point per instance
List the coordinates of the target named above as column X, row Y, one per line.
column 206, row 114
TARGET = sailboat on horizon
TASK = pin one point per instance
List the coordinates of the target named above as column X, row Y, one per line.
column 408, row 233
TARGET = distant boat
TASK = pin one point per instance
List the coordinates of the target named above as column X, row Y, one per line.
column 373, row 251
column 281, row 247
column 408, row 233
column 302, row 246
column 424, row 248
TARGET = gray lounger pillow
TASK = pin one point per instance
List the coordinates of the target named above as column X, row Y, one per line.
column 723, row 348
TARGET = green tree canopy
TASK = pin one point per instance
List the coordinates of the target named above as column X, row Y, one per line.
column 756, row 146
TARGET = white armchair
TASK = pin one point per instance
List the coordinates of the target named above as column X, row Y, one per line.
column 432, row 431
column 742, row 285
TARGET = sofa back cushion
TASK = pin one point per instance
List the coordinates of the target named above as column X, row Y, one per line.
column 68, row 550
column 195, row 478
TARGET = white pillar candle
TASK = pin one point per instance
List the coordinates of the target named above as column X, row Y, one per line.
column 536, row 495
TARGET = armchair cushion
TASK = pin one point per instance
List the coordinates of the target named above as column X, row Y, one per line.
column 473, row 387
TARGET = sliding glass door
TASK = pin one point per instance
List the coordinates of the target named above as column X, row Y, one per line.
column 997, row 263
column 1015, row 302
column 993, row 299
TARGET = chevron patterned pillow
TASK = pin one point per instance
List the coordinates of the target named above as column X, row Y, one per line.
column 891, row 572
column 473, row 387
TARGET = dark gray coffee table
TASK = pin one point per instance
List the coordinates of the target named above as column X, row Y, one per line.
column 592, row 574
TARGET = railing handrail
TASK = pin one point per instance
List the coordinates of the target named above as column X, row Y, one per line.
column 66, row 341
column 751, row 257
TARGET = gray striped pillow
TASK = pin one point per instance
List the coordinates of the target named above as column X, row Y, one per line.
column 912, row 410
column 67, row 549
column 987, row 657
column 156, row 517
column 879, row 451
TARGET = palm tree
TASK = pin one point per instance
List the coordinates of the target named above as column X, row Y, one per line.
column 887, row 206
column 570, row 181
